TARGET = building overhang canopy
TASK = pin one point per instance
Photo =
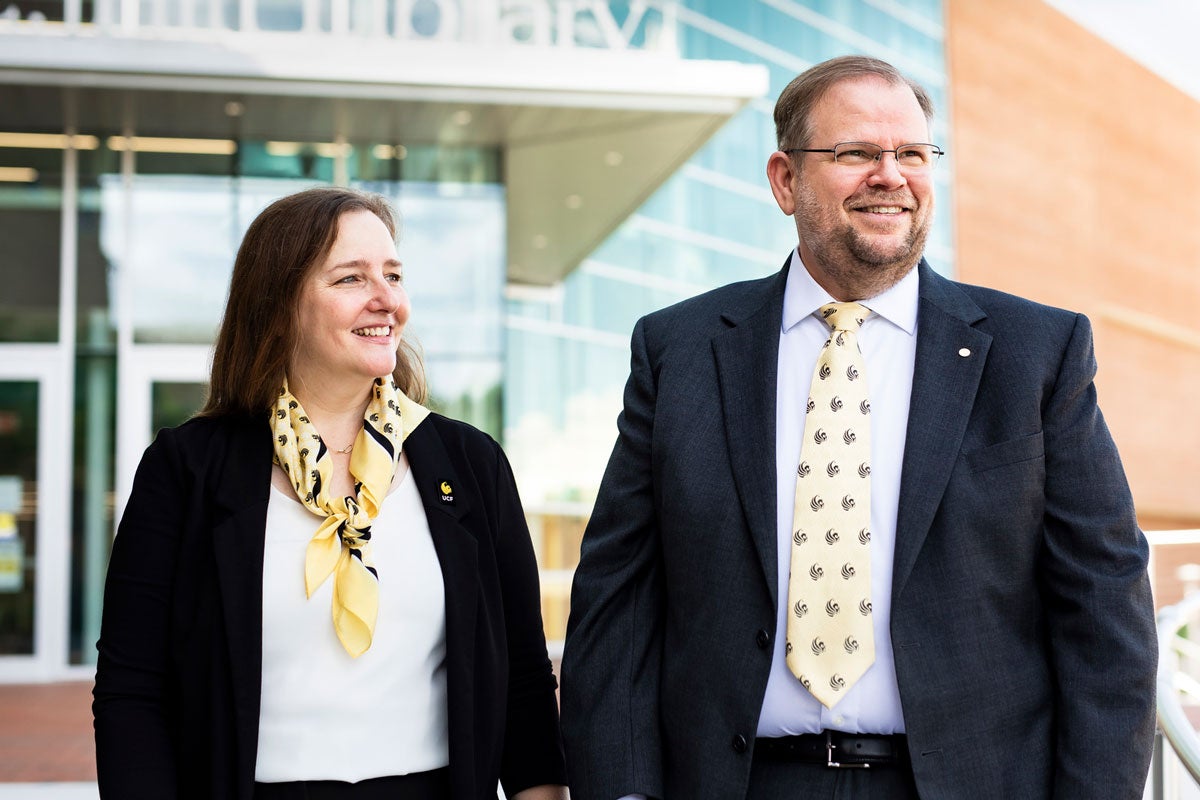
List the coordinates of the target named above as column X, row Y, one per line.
column 587, row 134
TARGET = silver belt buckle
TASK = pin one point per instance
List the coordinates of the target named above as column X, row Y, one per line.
column 830, row 763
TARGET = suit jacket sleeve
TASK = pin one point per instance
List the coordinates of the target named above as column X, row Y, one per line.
column 533, row 751
column 611, row 664
column 1097, row 594
column 135, row 755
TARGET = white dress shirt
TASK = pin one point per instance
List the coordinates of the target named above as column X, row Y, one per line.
column 889, row 343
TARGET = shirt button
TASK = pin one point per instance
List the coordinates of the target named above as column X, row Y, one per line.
column 763, row 639
column 739, row 743
column 839, row 720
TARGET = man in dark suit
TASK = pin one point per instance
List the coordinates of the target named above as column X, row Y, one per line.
column 1009, row 642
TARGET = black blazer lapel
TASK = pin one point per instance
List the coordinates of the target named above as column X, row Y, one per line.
column 747, row 362
column 446, row 503
column 244, row 485
column 945, row 381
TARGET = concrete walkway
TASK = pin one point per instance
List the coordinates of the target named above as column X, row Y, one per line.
column 46, row 747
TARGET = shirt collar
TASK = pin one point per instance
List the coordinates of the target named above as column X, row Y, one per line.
column 802, row 296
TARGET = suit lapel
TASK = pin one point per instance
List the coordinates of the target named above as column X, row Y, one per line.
column 434, row 473
column 243, row 485
column 945, row 381
column 747, row 363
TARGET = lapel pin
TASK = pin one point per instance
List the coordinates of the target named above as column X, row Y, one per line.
column 447, row 493
column 964, row 352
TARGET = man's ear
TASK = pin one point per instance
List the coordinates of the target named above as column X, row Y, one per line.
column 781, row 174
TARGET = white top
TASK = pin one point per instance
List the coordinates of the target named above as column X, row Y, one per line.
column 889, row 343
column 325, row 715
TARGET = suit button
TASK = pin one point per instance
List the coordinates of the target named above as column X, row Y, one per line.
column 739, row 743
column 763, row 639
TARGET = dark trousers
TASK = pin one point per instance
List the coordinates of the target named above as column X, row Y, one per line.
column 432, row 785
column 772, row 779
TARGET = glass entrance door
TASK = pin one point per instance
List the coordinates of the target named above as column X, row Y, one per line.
column 35, row 552
column 159, row 386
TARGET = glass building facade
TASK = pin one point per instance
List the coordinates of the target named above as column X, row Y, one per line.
column 120, row 214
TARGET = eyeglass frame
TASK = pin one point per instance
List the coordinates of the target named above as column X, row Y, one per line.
column 938, row 152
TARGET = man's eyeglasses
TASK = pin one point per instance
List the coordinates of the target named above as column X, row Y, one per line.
column 915, row 157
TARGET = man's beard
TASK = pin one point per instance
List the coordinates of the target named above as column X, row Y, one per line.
column 860, row 265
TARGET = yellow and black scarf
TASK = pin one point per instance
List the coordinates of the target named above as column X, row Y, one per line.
column 342, row 544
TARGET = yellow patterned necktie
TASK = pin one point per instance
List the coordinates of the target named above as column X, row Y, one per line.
column 830, row 639
column 342, row 544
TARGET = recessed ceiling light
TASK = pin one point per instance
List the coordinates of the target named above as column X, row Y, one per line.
column 322, row 149
column 539, row 242
column 48, row 141
column 18, row 174
column 574, row 201
column 613, row 158
column 162, row 144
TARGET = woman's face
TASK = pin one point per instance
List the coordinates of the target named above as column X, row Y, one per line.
column 352, row 310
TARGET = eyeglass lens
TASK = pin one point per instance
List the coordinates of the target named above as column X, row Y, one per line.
column 908, row 156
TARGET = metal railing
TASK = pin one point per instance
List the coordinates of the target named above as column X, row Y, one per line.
column 1179, row 662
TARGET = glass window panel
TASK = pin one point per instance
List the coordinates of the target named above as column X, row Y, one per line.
column 92, row 506
column 451, row 164
column 285, row 159
column 182, row 163
column 182, row 240
column 173, row 403
column 18, row 518
column 30, row 230
column 94, row 325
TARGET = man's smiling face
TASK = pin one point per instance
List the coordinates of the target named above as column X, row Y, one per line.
column 862, row 228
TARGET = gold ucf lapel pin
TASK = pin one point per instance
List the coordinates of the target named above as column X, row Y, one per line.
column 447, row 492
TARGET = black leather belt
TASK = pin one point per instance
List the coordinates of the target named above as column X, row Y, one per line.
column 836, row 749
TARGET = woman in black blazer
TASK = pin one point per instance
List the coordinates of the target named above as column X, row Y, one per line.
column 216, row 554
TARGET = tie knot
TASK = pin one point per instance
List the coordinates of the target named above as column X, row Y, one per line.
column 844, row 316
